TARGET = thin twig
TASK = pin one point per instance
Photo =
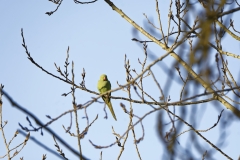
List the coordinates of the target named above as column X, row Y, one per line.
column 75, row 112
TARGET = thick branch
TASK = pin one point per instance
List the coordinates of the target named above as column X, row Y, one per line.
column 183, row 63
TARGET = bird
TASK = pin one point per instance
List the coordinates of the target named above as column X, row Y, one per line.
column 103, row 86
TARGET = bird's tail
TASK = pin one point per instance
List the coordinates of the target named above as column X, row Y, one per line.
column 109, row 104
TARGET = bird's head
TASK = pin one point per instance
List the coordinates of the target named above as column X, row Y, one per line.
column 103, row 77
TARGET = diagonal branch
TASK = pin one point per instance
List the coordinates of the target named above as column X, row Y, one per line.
column 173, row 54
column 25, row 111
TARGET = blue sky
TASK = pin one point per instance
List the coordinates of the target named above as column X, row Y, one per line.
column 98, row 39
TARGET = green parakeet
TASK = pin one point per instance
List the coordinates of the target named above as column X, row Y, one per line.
column 103, row 86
